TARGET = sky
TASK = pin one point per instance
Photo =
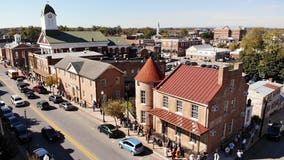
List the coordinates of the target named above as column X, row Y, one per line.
column 146, row 13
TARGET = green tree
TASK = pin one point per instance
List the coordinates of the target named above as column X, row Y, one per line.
column 183, row 33
column 207, row 35
column 233, row 46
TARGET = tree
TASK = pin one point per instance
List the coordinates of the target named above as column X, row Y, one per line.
column 207, row 35
column 183, row 33
column 51, row 81
column 233, row 46
column 117, row 108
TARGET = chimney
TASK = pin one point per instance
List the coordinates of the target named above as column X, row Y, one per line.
column 222, row 71
column 17, row 38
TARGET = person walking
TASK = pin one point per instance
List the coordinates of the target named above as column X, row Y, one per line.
column 216, row 156
column 240, row 155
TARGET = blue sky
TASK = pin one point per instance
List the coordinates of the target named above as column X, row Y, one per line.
column 146, row 13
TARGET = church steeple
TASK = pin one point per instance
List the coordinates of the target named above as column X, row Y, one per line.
column 158, row 30
column 48, row 18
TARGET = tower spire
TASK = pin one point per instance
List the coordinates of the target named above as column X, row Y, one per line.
column 158, row 29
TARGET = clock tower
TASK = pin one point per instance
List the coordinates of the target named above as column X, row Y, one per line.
column 48, row 18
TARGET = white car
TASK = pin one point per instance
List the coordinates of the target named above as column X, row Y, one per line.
column 17, row 101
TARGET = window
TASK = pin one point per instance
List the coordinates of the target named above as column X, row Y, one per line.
column 224, row 130
column 117, row 80
column 178, row 131
column 165, row 102
column 117, row 94
column 234, row 103
column 179, row 106
column 226, row 107
column 193, row 138
column 231, row 126
column 16, row 55
column 232, row 85
column 143, row 96
column 194, row 111
column 103, row 83
column 143, row 117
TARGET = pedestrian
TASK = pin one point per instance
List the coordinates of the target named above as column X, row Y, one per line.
column 216, row 156
column 148, row 136
column 205, row 155
column 198, row 157
column 101, row 111
column 173, row 154
column 244, row 143
column 166, row 150
column 191, row 157
column 138, row 130
column 240, row 155
column 178, row 152
column 133, row 127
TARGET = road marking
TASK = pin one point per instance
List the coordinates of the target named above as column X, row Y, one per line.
column 67, row 136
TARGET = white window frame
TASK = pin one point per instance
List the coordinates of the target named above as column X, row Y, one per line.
column 179, row 106
column 194, row 111
column 143, row 117
column 165, row 102
column 143, row 96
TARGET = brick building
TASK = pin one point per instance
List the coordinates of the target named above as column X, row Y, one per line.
column 199, row 108
column 226, row 32
column 83, row 80
column 176, row 47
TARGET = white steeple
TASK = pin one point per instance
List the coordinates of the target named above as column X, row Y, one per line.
column 48, row 18
column 158, row 30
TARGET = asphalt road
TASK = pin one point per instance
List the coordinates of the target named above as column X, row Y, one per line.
column 81, row 141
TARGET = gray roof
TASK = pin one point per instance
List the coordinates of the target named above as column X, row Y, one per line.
column 260, row 88
column 64, row 54
column 90, row 69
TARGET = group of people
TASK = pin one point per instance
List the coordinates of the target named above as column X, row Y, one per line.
column 173, row 150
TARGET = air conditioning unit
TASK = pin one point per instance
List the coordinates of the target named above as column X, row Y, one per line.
column 215, row 108
column 212, row 132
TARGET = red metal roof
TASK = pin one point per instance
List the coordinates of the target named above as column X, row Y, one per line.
column 179, row 121
column 193, row 83
column 149, row 72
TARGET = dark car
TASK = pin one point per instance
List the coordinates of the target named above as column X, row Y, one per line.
column 67, row 106
column 274, row 131
column 5, row 112
column 30, row 94
column 41, row 154
column 22, row 133
column 50, row 134
column 43, row 105
column 40, row 89
column 23, row 88
column 108, row 129
column 13, row 121
column 55, row 98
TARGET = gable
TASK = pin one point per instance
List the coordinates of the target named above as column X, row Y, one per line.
column 42, row 39
column 71, row 69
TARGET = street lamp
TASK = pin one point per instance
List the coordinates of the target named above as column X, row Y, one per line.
column 263, row 117
column 102, row 93
column 126, row 94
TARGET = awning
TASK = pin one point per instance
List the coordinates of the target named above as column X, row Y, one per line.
column 179, row 121
column 40, row 72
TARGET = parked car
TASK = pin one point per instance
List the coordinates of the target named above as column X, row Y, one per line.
column 22, row 133
column 108, row 129
column 133, row 145
column 19, row 80
column 274, row 131
column 17, row 100
column 55, row 98
column 67, row 106
column 13, row 121
column 43, row 105
column 5, row 112
column 22, row 88
column 50, row 134
column 41, row 154
column 40, row 89
column 30, row 94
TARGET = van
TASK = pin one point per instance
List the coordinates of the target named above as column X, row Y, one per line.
column 13, row 74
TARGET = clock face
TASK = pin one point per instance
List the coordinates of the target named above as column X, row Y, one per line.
column 49, row 16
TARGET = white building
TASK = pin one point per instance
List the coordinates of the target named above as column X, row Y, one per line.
column 207, row 52
column 265, row 96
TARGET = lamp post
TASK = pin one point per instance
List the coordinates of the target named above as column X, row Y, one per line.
column 103, row 113
column 126, row 94
column 263, row 117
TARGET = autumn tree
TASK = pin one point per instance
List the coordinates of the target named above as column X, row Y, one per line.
column 233, row 46
column 51, row 81
column 117, row 108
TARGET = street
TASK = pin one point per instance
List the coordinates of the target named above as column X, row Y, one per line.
column 81, row 141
